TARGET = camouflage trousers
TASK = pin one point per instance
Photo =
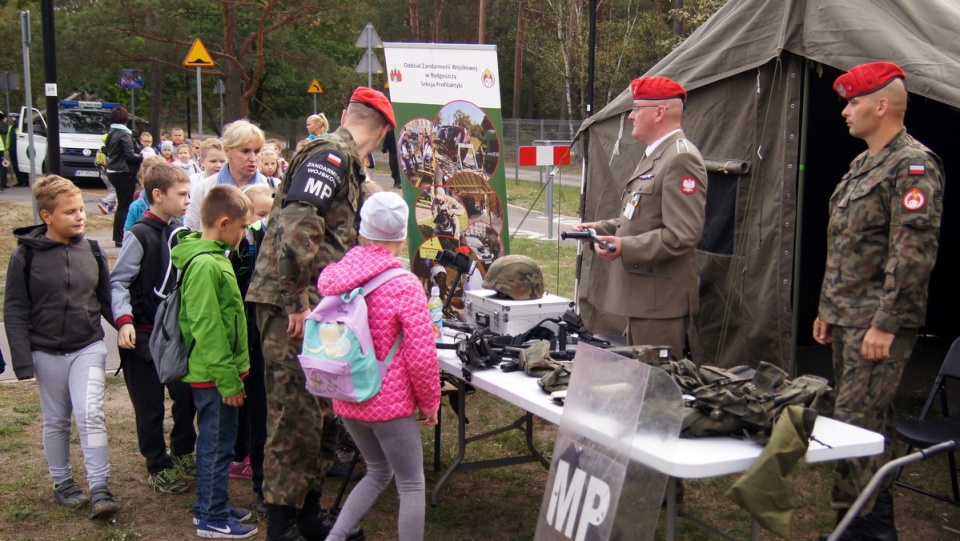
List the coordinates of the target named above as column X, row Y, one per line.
column 864, row 397
column 301, row 430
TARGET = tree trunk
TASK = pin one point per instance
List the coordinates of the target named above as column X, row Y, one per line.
column 233, row 100
column 518, row 60
column 155, row 74
column 482, row 23
column 415, row 21
column 436, row 25
column 677, row 21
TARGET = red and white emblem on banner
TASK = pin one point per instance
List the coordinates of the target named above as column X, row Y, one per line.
column 914, row 199
column 688, row 185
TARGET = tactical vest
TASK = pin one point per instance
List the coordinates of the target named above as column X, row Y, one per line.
column 742, row 401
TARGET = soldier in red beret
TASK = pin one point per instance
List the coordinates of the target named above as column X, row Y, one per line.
column 653, row 272
column 882, row 244
column 312, row 224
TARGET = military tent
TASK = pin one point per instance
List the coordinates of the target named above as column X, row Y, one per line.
column 762, row 112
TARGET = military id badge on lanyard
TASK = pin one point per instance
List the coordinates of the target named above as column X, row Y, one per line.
column 632, row 205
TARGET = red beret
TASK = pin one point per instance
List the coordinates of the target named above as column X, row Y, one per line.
column 867, row 78
column 656, row 88
column 375, row 100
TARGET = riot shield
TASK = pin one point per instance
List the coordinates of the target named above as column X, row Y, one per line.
column 618, row 413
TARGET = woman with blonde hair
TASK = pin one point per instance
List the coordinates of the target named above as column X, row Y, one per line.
column 242, row 143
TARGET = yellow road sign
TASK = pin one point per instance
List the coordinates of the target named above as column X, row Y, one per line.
column 198, row 56
column 431, row 249
column 315, row 88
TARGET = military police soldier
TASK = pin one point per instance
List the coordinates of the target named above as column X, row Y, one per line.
column 313, row 223
column 653, row 278
column 882, row 245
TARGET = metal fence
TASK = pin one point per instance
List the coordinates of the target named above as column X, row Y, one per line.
column 516, row 133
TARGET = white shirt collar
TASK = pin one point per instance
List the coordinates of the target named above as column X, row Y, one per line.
column 653, row 146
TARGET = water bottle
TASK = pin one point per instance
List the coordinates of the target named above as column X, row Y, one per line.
column 435, row 305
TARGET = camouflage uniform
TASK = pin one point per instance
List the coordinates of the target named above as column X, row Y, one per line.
column 312, row 224
column 882, row 243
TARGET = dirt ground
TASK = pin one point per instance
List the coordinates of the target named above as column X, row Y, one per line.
column 500, row 504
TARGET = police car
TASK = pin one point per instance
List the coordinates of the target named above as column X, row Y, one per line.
column 82, row 126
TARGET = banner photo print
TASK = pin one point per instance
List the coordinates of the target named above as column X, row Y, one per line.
column 446, row 99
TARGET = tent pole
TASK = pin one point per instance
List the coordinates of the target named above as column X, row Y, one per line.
column 798, row 230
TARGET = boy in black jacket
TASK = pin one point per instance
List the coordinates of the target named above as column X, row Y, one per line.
column 141, row 277
column 58, row 286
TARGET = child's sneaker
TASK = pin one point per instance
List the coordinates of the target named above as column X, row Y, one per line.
column 227, row 529
column 102, row 207
column 103, row 504
column 168, row 482
column 236, row 513
column 186, row 466
column 69, row 494
column 241, row 470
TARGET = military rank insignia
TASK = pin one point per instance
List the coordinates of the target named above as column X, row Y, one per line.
column 688, row 185
column 914, row 199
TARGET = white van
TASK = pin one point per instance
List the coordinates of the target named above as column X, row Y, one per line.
column 82, row 126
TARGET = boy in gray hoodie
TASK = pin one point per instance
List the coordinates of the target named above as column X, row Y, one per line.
column 58, row 286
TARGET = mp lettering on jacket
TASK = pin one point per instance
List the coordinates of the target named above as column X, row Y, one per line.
column 318, row 179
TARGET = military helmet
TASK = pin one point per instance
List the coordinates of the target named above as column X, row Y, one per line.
column 515, row 276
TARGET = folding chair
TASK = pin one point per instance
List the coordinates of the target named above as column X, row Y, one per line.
column 930, row 430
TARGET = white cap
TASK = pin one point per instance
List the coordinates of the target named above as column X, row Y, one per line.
column 384, row 217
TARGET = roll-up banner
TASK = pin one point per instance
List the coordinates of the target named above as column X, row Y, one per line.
column 446, row 98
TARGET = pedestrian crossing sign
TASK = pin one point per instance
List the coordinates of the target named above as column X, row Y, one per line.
column 198, row 57
column 315, row 88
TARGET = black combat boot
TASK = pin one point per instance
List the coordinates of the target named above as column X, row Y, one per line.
column 282, row 523
column 879, row 525
column 852, row 533
column 314, row 523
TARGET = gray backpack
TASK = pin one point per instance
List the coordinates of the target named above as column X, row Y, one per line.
column 170, row 353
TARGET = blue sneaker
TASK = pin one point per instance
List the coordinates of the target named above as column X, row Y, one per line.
column 236, row 513
column 227, row 529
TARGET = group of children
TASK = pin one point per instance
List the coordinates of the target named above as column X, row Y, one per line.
column 198, row 160
column 58, row 287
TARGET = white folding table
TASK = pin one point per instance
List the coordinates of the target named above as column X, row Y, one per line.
column 686, row 459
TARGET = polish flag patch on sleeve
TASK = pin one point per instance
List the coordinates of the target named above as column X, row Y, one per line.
column 688, row 185
column 917, row 169
column 335, row 160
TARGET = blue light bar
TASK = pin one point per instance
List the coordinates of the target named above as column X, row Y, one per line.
column 88, row 104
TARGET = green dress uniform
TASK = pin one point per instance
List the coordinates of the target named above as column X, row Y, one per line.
column 313, row 223
column 882, row 241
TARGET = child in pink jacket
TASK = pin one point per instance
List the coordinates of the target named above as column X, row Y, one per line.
column 384, row 427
